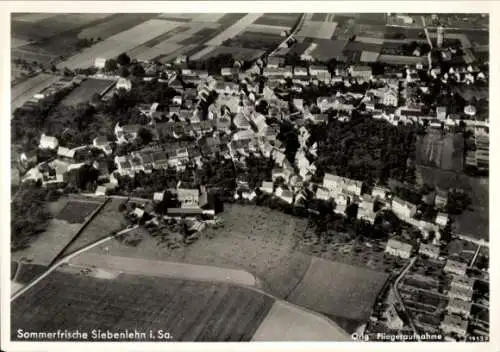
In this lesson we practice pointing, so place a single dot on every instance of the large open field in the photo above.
(254, 239)
(188, 310)
(118, 43)
(339, 291)
(317, 29)
(25, 90)
(445, 152)
(278, 19)
(85, 90)
(234, 29)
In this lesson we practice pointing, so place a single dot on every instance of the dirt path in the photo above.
(165, 268)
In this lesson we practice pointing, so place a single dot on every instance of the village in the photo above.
(236, 118)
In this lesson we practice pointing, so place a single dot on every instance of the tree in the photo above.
(145, 136)
(123, 59)
(111, 65)
(138, 70)
(124, 72)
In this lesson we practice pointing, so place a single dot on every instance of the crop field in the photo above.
(445, 152)
(317, 29)
(328, 49)
(85, 90)
(285, 322)
(188, 310)
(103, 224)
(27, 272)
(278, 19)
(234, 29)
(264, 28)
(76, 211)
(122, 42)
(24, 91)
(50, 243)
(43, 26)
(115, 24)
(339, 290)
(254, 40)
(404, 33)
(253, 239)
(237, 53)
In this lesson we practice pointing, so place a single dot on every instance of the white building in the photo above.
(398, 248)
(267, 187)
(338, 184)
(454, 267)
(323, 194)
(442, 219)
(429, 250)
(403, 208)
(285, 195)
(100, 63)
(124, 83)
(48, 142)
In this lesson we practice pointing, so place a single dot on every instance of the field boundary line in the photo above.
(66, 259)
(79, 232)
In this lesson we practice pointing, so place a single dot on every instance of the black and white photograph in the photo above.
(249, 177)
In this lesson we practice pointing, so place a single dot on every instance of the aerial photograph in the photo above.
(246, 177)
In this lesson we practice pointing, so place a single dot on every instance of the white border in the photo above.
(6, 7)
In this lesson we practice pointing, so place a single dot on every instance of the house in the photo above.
(177, 100)
(189, 198)
(380, 192)
(318, 70)
(463, 282)
(281, 172)
(361, 72)
(100, 63)
(390, 97)
(454, 324)
(124, 83)
(278, 156)
(104, 189)
(285, 195)
(457, 306)
(158, 196)
(275, 62)
(460, 293)
(441, 113)
(103, 144)
(48, 142)
(300, 72)
(66, 152)
(454, 267)
(338, 184)
(227, 88)
(228, 71)
(442, 219)
(394, 321)
(429, 250)
(441, 198)
(323, 194)
(366, 209)
(267, 187)
(241, 122)
(398, 248)
(403, 208)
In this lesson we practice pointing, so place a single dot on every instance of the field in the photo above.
(118, 43)
(253, 239)
(75, 211)
(328, 49)
(27, 272)
(188, 310)
(115, 24)
(25, 90)
(237, 53)
(254, 40)
(339, 290)
(85, 90)
(234, 29)
(103, 224)
(287, 323)
(46, 247)
(316, 29)
(278, 19)
(43, 26)
(445, 152)
(473, 222)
